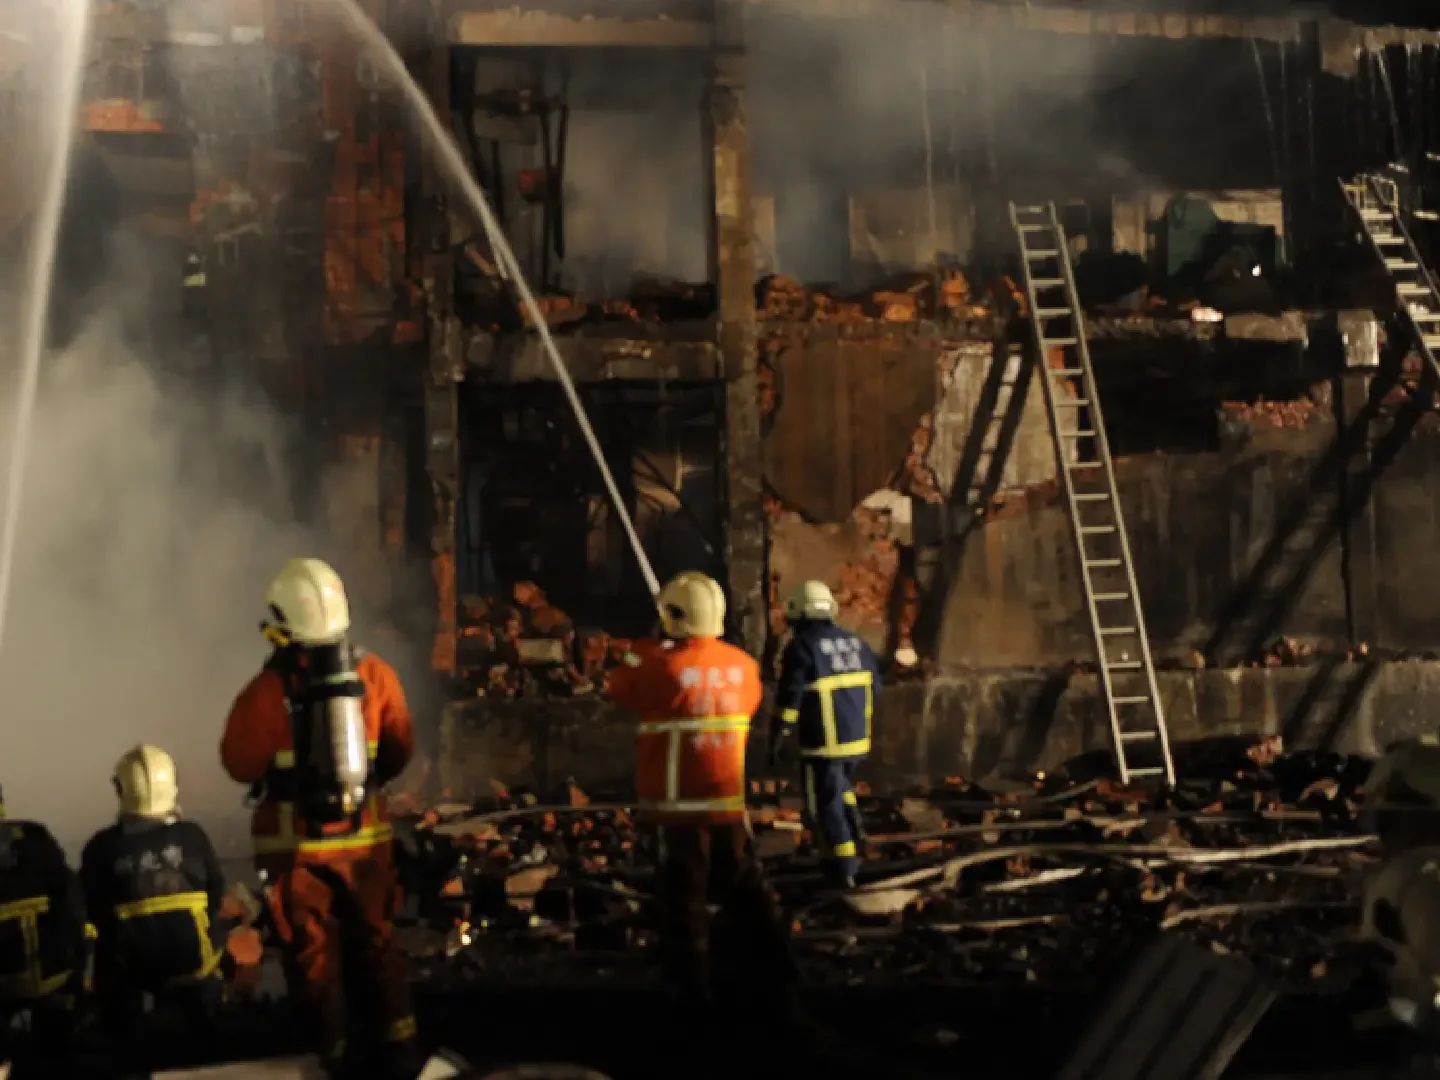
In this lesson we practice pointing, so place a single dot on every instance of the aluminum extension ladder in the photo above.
(1375, 202)
(1092, 500)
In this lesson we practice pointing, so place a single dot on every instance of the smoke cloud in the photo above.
(878, 131)
(157, 506)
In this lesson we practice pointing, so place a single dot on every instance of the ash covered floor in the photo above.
(983, 918)
(987, 926)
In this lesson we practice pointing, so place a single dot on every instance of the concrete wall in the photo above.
(849, 410)
(964, 372)
(1199, 525)
(974, 726)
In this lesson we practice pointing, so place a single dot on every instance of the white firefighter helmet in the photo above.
(307, 605)
(145, 782)
(811, 600)
(1407, 777)
(692, 605)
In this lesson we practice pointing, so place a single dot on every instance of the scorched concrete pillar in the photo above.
(444, 370)
(733, 270)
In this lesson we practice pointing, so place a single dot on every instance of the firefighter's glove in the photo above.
(778, 732)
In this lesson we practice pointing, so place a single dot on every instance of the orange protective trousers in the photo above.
(335, 916)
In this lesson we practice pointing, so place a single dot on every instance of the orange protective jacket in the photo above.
(257, 744)
(695, 699)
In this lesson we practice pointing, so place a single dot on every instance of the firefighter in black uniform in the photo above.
(829, 680)
(153, 888)
(42, 939)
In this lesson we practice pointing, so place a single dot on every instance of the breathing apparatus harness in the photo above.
(329, 777)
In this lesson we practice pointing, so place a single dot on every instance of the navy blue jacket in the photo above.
(154, 889)
(829, 680)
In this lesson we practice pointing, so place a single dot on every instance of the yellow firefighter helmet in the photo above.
(692, 605)
(145, 782)
(307, 605)
(811, 600)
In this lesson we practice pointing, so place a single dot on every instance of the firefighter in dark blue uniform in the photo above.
(829, 681)
(42, 939)
(153, 888)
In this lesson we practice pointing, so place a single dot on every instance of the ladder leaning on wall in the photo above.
(1128, 688)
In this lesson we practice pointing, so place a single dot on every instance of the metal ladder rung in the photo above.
(1390, 239)
(1118, 625)
(1432, 341)
(1425, 316)
(1133, 699)
(1412, 288)
(1401, 264)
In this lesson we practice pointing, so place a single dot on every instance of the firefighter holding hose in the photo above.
(317, 734)
(694, 696)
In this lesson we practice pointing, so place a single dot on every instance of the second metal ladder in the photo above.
(1092, 500)
(1376, 203)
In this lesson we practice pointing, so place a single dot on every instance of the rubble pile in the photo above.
(523, 646)
(1311, 408)
(1257, 854)
(914, 297)
(943, 296)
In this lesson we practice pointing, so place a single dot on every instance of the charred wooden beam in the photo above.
(733, 270)
(522, 359)
(443, 372)
(528, 27)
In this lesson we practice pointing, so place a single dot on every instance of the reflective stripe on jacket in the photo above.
(258, 744)
(34, 981)
(153, 890)
(194, 904)
(42, 916)
(829, 680)
(695, 700)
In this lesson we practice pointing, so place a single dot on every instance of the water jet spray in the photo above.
(458, 174)
(70, 75)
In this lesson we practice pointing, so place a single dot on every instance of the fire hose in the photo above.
(459, 174)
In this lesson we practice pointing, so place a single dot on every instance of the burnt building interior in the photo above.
(780, 246)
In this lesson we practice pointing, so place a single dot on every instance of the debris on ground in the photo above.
(1259, 855)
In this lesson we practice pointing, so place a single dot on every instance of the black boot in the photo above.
(403, 1060)
(838, 874)
(857, 830)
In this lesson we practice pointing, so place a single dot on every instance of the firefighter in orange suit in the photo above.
(317, 734)
(695, 696)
